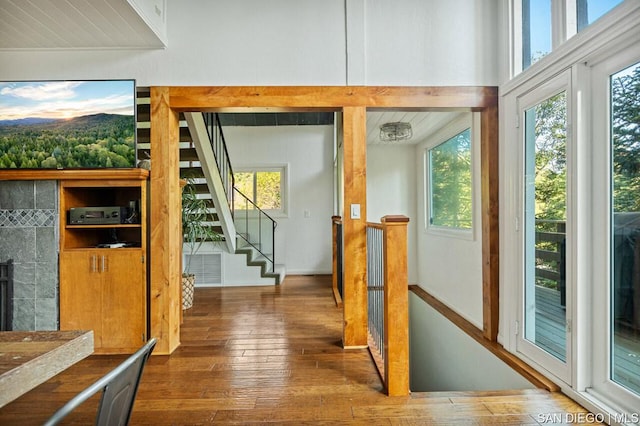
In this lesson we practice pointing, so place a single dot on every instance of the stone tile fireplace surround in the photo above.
(29, 236)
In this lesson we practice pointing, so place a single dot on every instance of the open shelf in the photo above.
(97, 194)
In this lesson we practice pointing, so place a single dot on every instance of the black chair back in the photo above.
(119, 388)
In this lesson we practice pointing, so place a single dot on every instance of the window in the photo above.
(450, 189)
(625, 228)
(541, 26)
(536, 30)
(588, 11)
(625, 232)
(616, 341)
(264, 186)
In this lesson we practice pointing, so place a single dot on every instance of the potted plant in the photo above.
(195, 231)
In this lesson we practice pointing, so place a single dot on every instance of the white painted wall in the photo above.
(303, 244)
(294, 42)
(450, 267)
(391, 188)
(427, 42)
(444, 358)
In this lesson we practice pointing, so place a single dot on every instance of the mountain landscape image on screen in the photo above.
(67, 125)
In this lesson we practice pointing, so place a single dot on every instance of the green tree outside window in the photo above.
(450, 182)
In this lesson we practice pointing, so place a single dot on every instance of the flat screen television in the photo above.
(75, 124)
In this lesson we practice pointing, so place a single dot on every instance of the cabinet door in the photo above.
(81, 293)
(124, 299)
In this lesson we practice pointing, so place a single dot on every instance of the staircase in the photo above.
(256, 231)
(198, 162)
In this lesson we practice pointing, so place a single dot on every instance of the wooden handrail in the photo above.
(395, 351)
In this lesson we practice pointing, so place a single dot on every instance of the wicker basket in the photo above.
(188, 284)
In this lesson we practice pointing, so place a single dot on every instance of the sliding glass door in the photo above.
(624, 287)
(545, 326)
(616, 283)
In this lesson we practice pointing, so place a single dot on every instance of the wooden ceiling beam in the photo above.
(328, 98)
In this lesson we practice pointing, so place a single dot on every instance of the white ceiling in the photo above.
(73, 24)
(422, 123)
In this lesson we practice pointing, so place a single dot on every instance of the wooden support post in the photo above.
(354, 294)
(490, 221)
(396, 305)
(165, 229)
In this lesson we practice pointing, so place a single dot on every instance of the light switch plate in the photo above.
(355, 211)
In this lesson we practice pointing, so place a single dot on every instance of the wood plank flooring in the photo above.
(550, 322)
(254, 355)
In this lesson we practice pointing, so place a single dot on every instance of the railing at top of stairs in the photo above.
(387, 301)
(219, 146)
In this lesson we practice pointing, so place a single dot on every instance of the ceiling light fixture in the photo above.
(398, 131)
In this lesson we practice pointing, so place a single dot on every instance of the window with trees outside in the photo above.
(263, 186)
(450, 190)
(625, 228)
(616, 239)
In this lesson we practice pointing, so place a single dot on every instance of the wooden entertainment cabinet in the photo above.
(104, 289)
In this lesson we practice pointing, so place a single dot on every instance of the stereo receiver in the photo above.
(97, 215)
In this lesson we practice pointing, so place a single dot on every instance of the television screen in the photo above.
(67, 124)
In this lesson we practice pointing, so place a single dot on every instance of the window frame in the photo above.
(284, 184)
(451, 130)
(523, 346)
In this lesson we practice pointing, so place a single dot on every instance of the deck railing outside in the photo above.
(388, 301)
(551, 255)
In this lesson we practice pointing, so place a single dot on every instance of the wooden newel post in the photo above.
(396, 305)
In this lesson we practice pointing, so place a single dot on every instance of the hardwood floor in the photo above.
(254, 355)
